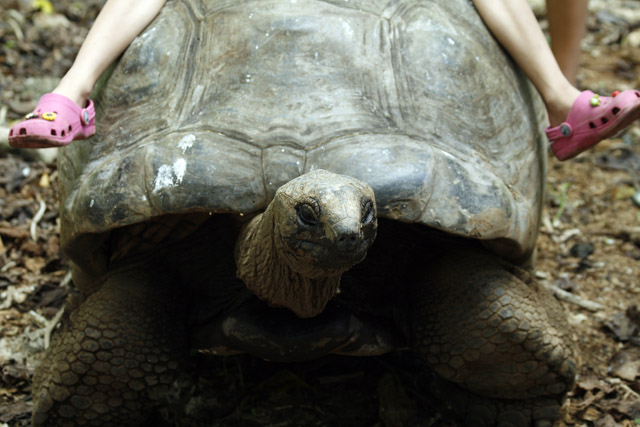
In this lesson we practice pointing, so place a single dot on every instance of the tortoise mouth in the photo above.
(324, 257)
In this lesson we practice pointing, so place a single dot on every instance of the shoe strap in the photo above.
(88, 113)
(563, 131)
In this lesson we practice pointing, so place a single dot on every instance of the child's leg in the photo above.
(66, 115)
(567, 20)
(118, 23)
(577, 120)
(515, 26)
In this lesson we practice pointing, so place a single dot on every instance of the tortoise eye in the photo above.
(307, 214)
(367, 212)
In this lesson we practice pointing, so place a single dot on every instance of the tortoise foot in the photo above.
(474, 410)
(488, 327)
(114, 359)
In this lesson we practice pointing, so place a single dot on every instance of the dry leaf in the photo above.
(606, 421)
(34, 264)
(622, 326)
(591, 414)
(31, 247)
(626, 364)
(53, 247)
(14, 232)
(45, 182)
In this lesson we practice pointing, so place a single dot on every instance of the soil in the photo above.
(588, 250)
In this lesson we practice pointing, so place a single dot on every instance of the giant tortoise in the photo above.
(248, 155)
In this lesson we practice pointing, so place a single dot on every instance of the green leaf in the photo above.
(43, 6)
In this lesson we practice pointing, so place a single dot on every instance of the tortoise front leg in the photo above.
(116, 355)
(490, 328)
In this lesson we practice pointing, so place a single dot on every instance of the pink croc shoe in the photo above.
(591, 119)
(55, 122)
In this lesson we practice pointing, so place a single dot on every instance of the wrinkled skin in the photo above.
(317, 227)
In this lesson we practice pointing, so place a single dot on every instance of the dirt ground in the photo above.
(588, 254)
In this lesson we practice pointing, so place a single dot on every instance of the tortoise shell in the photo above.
(219, 102)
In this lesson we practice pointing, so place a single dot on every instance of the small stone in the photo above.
(581, 250)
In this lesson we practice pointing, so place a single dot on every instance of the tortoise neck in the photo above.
(262, 266)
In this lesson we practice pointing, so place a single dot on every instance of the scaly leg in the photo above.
(116, 355)
(488, 327)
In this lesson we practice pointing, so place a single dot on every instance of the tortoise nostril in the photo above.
(348, 241)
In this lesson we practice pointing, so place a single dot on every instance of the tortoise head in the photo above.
(324, 222)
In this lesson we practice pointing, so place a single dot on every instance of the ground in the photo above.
(588, 254)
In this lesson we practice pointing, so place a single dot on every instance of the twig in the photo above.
(66, 280)
(34, 222)
(572, 298)
(50, 326)
(16, 29)
(546, 221)
(623, 233)
(628, 390)
(7, 266)
(38, 317)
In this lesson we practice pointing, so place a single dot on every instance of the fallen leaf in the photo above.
(626, 364)
(53, 247)
(31, 247)
(14, 232)
(44, 6)
(606, 421)
(623, 192)
(11, 411)
(621, 326)
(590, 382)
(34, 264)
(591, 414)
(45, 182)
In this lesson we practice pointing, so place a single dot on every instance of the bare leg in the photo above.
(118, 23)
(567, 27)
(515, 26)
